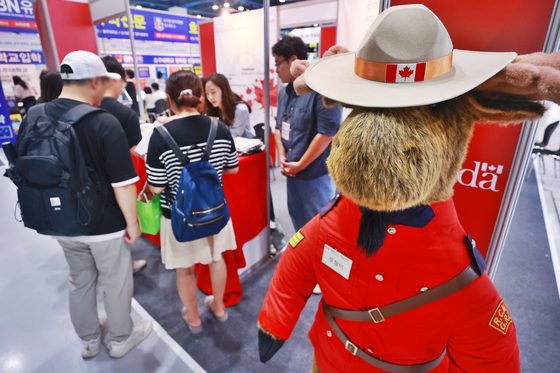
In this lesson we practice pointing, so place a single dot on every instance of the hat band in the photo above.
(402, 72)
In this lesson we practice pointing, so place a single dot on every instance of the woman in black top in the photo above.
(184, 90)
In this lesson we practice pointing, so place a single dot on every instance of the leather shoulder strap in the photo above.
(211, 138)
(172, 144)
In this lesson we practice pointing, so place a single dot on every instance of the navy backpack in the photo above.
(200, 208)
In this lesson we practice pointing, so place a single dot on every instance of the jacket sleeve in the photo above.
(292, 284)
(483, 338)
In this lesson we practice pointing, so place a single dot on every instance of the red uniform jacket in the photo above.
(473, 323)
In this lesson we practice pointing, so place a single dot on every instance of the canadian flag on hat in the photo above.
(405, 73)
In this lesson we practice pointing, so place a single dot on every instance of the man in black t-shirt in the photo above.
(103, 255)
(126, 117)
(131, 90)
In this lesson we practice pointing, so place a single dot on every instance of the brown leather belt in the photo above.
(378, 315)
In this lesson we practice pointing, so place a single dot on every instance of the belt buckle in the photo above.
(376, 315)
(351, 347)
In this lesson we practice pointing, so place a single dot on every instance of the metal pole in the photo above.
(136, 72)
(266, 6)
(51, 35)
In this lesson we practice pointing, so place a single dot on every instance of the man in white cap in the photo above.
(104, 253)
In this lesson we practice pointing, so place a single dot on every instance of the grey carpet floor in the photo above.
(525, 279)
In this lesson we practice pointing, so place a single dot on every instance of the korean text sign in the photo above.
(152, 26)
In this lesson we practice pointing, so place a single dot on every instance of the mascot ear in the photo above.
(509, 95)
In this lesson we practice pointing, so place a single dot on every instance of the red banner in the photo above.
(493, 26)
(17, 24)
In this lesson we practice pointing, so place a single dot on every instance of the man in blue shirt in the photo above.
(304, 131)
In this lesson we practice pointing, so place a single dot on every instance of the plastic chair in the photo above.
(549, 130)
(161, 106)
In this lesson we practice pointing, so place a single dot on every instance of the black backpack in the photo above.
(56, 193)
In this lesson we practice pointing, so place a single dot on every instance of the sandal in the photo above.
(208, 301)
(194, 329)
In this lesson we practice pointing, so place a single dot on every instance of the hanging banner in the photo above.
(6, 129)
(156, 60)
(17, 16)
(354, 19)
(16, 57)
(239, 45)
(152, 26)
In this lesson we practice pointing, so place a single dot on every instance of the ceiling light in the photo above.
(215, 7)
(138, 6)
(282, 1)
(198, 16)
(240, 8)
(225, 14)
(226, 5)
(316, 25)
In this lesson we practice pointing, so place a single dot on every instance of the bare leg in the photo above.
(186, 286)
(218, 276)
(314, 367)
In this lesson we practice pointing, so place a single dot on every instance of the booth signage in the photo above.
(17, 16)
(152, 26)
(144, 72)
(157, 60)
(16, 57)
(6, 129)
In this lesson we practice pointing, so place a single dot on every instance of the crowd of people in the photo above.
(110, 138)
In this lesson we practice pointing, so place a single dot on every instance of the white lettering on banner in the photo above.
(2, 119)
(6, 132)
(489, 172)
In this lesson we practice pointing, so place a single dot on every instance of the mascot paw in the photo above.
(335, 49)
(269, 344)
(297, 70)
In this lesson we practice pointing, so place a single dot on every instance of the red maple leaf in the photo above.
(249, 90)
(241, 95)
(259, 92)
(250, 102)
(406, 72)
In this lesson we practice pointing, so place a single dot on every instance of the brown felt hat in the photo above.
(405, 59)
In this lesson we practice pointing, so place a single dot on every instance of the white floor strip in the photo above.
(183, 355)
(552, 224)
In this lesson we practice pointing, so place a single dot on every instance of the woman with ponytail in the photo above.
(189, 128)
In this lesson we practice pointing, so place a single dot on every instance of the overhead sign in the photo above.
(16, 57)
(157, 60)
(17, 16)
(153, 26)
(6, 129)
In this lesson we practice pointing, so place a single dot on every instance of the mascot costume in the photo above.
(404, 287)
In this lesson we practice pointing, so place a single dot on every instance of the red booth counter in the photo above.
(246, 196)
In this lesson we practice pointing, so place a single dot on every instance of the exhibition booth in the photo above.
(237, 47)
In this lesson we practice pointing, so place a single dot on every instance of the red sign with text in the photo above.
(493, 26)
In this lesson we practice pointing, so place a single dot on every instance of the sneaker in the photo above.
(140, 331)
(91, 348)
(138, 265)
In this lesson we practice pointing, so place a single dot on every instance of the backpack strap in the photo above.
(34, 113)
(173, 145)
(77, 113)
(211, 138)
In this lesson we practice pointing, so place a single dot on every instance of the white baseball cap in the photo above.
(84, 65)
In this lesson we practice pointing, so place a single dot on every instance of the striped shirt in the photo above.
(190, 133)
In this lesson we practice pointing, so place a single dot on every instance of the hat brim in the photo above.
(334, 78)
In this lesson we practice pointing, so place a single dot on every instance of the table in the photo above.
(246, 196)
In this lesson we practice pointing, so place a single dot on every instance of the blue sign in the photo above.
(152, 26)
(156, 60)
(15, 57)
(162, 70)
(17, 16)
(6, 129)
(144, 72)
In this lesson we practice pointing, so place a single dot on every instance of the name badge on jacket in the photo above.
(286, 130)
(336, 261)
